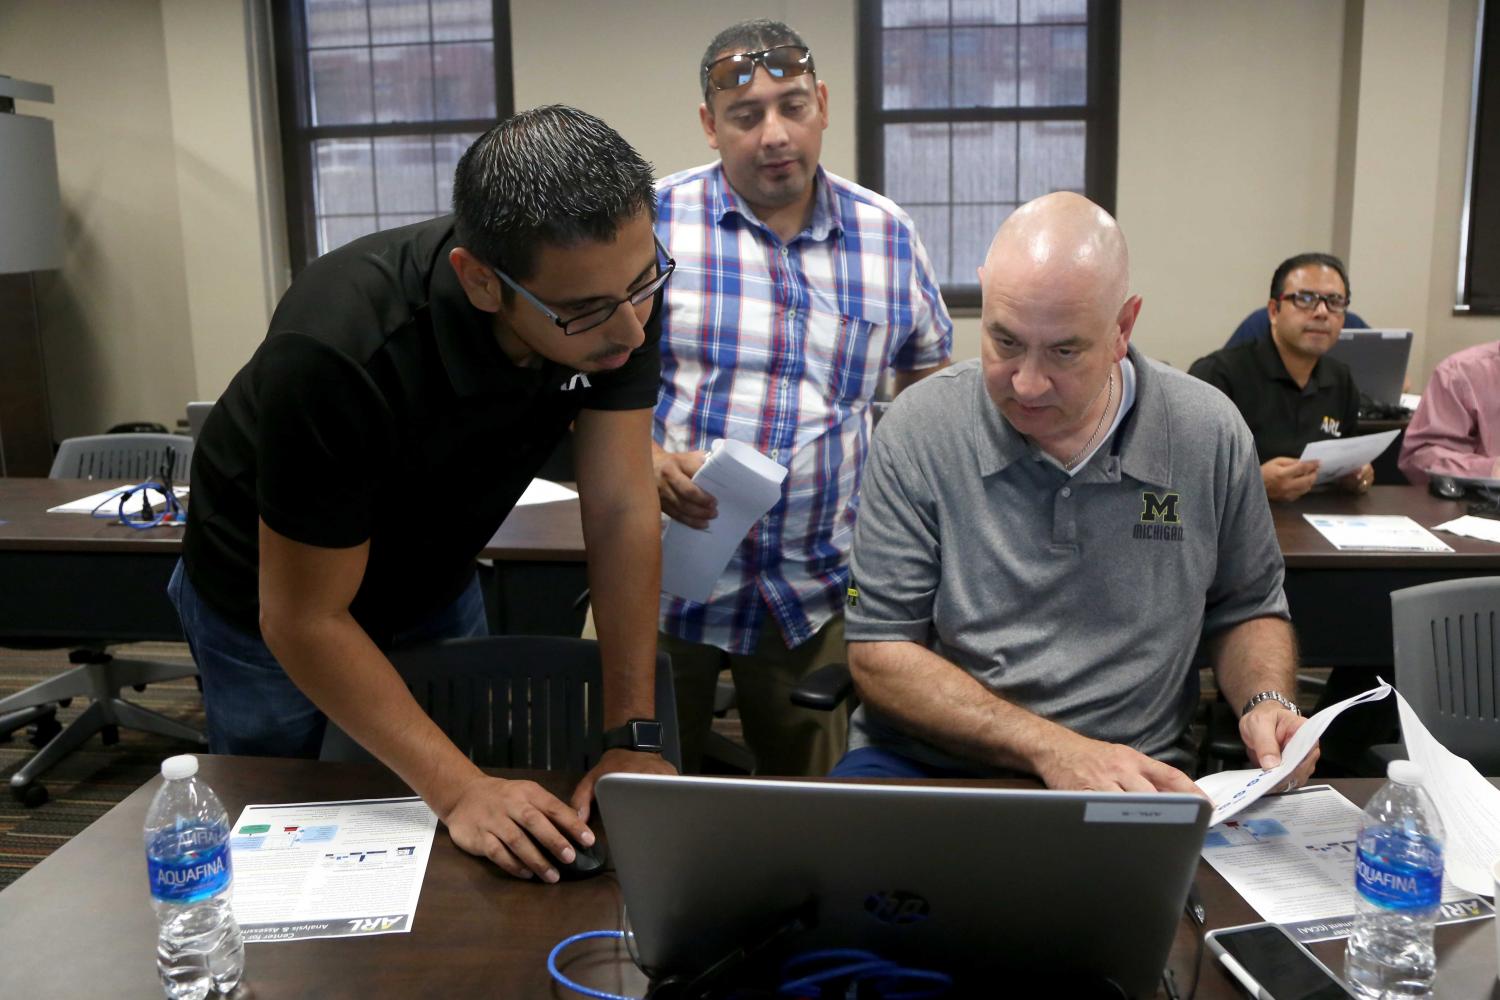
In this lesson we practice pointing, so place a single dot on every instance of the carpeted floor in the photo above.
(87, 783)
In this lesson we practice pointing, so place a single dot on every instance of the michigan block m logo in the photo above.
(1159, 509)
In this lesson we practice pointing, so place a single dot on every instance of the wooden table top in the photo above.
(538, 533)
(83, 922)
(1305, 548)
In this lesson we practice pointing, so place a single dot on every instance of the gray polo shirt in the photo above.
(1079, 598)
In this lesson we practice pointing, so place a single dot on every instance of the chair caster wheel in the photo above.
(65, 702)
(44, 730)
(138, 687)
(110, 735)
(31, 795)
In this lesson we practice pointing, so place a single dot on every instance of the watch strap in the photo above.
(641, 735)
(1275, 696)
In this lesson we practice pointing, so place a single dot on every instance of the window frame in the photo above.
(1100, 114)
(298, 134)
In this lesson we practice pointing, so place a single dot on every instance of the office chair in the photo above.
(522, 701)
(1258, 324)
(1447, 655)
(134, 457)
(96, 673)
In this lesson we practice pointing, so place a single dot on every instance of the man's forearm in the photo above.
(941, 704)
(1254, 656)
(902, 380)
(624, 549)
(346, 675)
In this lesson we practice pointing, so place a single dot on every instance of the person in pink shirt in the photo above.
(1456, 429)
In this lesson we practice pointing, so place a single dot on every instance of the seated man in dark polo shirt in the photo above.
(1284, 387)
(1046, 534)
(410, 385)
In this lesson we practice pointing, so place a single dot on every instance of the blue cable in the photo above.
(567, 983)
(171, 508)
(892, 980)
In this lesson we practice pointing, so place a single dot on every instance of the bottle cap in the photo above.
(1405, 772)
(182, 766)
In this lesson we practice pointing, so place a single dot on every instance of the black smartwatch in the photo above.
(642, 735)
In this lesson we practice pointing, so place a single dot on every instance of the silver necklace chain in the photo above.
(1109, 388)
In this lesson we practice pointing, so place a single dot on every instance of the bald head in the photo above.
(1063, 244)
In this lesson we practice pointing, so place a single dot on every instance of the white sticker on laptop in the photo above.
(1139, 812)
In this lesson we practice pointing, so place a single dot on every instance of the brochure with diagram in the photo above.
(330, 869)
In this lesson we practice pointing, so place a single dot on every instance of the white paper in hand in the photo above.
(746, 485)
(1232, 791)
(1341, 456)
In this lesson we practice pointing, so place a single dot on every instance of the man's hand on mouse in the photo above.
(616, 760)
(1078, 763)
(490, 814)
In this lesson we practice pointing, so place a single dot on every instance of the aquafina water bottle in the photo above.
(199, 948)
(1398, 880)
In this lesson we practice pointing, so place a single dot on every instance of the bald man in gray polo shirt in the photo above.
(1045, 534)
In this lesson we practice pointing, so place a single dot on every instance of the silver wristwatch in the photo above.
(1275, 696)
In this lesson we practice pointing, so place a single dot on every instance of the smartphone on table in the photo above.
(1272, 965)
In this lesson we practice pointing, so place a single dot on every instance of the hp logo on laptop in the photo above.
(897, 907)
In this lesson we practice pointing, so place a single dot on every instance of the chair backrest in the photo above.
(1447, 656)
(133, 457)
(523, 701)
(1258, 324)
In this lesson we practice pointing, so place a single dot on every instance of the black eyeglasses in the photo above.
(1308, 301)
(782, 63)
(585, 322)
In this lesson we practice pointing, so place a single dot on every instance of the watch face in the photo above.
(647, 735)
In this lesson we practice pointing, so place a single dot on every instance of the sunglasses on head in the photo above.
(782, 63)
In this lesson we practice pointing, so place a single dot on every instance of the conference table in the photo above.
(77, 578)
(79, 924)
(1340, 601)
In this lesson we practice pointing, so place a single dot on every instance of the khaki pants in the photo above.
(785, 739)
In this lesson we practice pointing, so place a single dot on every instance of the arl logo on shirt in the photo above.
(1160, 519)
(1331, 427)
(578, 379)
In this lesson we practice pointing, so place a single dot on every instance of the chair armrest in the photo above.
(825, 688)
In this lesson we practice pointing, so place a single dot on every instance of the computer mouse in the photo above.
(1445, 488)
(587, 861)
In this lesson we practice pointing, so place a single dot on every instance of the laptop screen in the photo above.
(1377, 360)
(971, 881)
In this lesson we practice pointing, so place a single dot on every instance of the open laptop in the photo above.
(1377, 360)
(196, 414)
(976, 882)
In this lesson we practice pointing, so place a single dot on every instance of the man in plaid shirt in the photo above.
(795, 291)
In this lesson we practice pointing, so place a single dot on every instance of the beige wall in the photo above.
(115, 316)
(1240, 142)
(640, 73)
(1227, 161)
(227, 258)
(1444, 331)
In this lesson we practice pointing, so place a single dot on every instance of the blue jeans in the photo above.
(252, 706)
(874, 762)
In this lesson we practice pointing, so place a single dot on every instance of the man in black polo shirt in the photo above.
(411, 384)
(1284, 387)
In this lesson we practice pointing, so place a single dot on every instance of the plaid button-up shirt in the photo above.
(782, 346)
